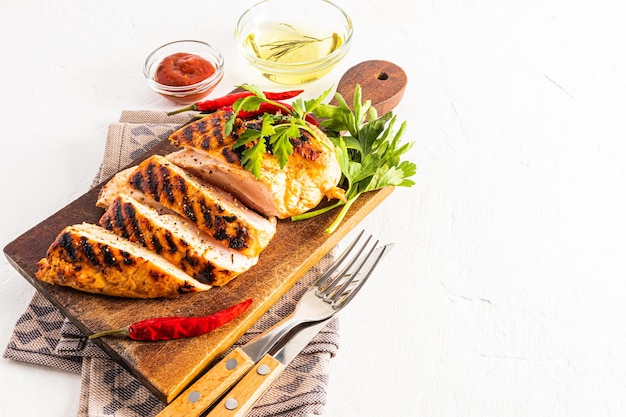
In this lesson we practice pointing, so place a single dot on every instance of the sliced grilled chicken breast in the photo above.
(177, 240)
(92, 259)
(312, 171)
(213, 210)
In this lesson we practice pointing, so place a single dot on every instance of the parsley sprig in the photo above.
(368, 149)
(277, 130)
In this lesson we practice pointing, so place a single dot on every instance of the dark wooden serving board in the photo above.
(167, 368)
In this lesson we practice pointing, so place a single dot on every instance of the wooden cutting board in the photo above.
(167, 368)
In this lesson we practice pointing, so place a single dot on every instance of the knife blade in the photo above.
(242, 397)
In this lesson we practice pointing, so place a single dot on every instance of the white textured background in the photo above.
(505, 293)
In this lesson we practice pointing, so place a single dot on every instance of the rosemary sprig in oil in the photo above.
(285, 47)
(278, 49)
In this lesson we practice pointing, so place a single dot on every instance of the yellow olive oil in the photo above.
(286, 44)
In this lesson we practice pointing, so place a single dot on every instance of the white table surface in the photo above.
(505, 293)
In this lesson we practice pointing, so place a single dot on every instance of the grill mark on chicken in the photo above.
(179, 191)
(124, 221)
(77, 248)
(90, 258)
(238, 241)
(230, 155)
(208, 133)
(87, 250)
(213, 137)
(156, 245)
(128, 258)
(189, 211)
(169, 239)
(207, 213)
(207, 274)
(304, 147)
(175, 239)
(152, 182)
(65, 242)
(188, 133)
(202, 126)
(109, 258)
(205, 143)
(128, 212)
(191, 260)
(168, 189)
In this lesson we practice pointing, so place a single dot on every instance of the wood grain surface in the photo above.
(166, 368)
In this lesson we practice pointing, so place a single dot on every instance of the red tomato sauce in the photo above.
(182, 69)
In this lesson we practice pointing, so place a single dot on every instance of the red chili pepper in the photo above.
(177, 327)
(270, 108)
(230, 99)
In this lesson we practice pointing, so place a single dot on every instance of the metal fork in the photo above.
(330, 293)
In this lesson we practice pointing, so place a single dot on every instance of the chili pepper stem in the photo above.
(188, 108)
(124, 331)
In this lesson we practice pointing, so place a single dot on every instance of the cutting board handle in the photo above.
(382, 82)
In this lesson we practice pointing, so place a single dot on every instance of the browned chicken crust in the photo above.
(214, 211)
(209, 132)
(176, 239)
(89, 258)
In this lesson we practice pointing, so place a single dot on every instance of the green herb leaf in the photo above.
(252, 157)
(280, 142)
(267, 127)
(254, 90)
(368, 150)
(248, 136)
(309, 106)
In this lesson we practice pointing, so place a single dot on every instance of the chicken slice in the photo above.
(92, 259)
(176, 239)
(119, 184)
(213, 210)
(217, 170)
(312, 172)
(208, 133)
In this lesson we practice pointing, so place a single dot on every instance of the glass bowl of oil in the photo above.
(294, 42)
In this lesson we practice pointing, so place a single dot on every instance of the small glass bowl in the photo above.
(190, 93)
(294, 42)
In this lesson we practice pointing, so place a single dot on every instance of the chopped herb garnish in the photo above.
(277, 129)
(368, 147)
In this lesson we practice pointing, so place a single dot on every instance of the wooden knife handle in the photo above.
(210, 387)
(245, 394)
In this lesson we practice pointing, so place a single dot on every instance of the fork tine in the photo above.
(360, 284)
(328, 288)
(339, 261)
(352, 274)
